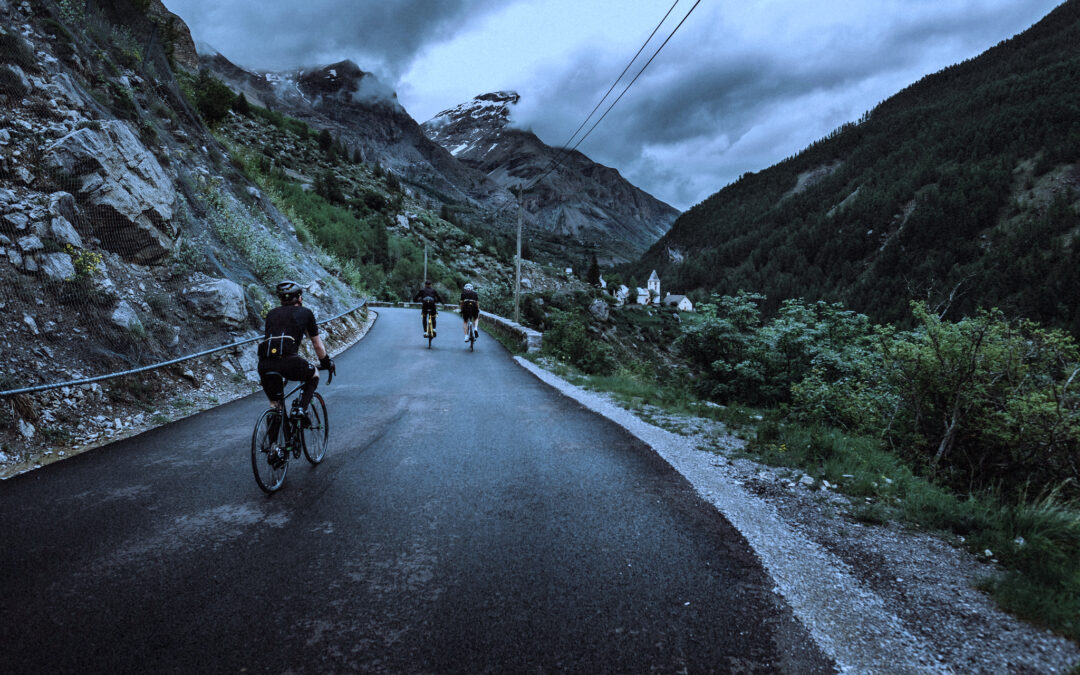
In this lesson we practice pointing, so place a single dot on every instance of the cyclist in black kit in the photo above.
(428, 297)
(470, 309)
(285, 329)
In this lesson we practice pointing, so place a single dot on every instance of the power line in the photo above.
(626, 89)
(556, 161)
(620, 77)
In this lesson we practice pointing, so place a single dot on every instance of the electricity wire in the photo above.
(616, 82)
(554, 163)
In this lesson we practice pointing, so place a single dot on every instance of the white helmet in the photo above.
(468, 287)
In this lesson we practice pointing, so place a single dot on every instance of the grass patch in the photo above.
(1036, 540)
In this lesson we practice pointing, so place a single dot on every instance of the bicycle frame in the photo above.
(311, 437)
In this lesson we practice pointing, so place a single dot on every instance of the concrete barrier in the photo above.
(529, 339)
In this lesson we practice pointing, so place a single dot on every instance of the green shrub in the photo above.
(984, 401)
(568, 339)
(241, 105)
(211, 97)
(72, 12)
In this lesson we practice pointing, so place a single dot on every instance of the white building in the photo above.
(654, 286)
(679, 302)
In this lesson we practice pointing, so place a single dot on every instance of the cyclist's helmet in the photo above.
(289, 290)
(468, 287)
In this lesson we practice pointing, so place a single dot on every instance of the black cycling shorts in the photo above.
(294, 368)
(469, 311)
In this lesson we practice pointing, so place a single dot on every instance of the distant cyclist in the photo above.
(285, 329)
(470, 311)
(429, 299)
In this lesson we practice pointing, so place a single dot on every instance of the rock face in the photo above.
(364, 114)
(579, 198)
(125, 194)
(219, 299)
(183, 46)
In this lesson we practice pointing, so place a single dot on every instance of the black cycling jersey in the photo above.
(285, 329)
(470, 305)
(428, 297)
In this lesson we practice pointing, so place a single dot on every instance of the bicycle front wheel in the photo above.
(316, 435)
(269, 460)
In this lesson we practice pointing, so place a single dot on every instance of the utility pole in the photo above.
(425, 260)
(517, 266)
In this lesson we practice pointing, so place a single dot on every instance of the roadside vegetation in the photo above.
(966, 179)
(970, 428)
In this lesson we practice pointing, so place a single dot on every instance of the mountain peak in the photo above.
(490, 112)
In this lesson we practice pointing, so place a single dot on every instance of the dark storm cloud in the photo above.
(721, 107)
(279, 35)
(740, 87)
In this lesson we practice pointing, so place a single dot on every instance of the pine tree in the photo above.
(593, 275)
(241, 105)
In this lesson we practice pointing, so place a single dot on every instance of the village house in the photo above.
(679, 302)
(650, 295)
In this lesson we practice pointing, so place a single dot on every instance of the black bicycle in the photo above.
(471, 328)
(279, 437)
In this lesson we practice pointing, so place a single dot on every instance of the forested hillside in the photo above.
(960, 190)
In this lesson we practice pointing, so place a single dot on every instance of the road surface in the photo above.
(466, 519)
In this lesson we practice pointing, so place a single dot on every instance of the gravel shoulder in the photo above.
(875, 598)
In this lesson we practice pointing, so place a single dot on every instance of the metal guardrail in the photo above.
(163, 364)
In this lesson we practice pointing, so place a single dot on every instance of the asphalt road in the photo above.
(466, 519)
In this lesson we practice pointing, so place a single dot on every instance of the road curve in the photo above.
(467, 518)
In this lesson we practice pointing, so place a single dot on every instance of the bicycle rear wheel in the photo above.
(472, 334)
(430, 332)
(315, 436)
(269, 460)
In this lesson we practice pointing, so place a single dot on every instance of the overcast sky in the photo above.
(740, 86)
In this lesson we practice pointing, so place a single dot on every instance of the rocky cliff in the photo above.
(363, 113)
(127, 236)
(574, 196)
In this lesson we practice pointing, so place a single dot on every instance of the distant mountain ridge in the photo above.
(363, 113)
(578, 198)
(963, 189)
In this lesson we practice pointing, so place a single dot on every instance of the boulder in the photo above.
(123, 189)
(104, 285)
(249, 363)
(14, 222)
(30, 243)
(57, 266)
(219, 299)
(599, 309)
(125, 316)
(63, 231)
(62, 205)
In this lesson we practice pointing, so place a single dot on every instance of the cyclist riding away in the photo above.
(286, 327)
(428, 297)
(470, 311)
